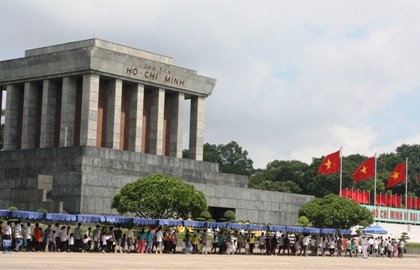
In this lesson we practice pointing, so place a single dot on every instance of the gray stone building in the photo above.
(85, 118)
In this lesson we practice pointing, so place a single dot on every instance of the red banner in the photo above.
(409, 205)
(388, 200)
(383, 199)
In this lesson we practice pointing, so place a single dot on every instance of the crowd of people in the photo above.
(110, 239)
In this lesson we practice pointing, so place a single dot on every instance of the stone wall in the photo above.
(85, 179)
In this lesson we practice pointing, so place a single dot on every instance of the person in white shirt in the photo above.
(18, 235)
(365, 244)
(28, 236)
(305, 243)
(376, 247)
(159, 236)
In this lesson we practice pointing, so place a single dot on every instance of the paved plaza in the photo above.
(40, 260)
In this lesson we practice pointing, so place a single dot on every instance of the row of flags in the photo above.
(332, 164)
(389, 200)
(382, 199)
(359, 196)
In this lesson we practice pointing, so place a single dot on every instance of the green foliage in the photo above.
(404, 237)
(12, 208)
(298, 177)
(333, 211)
(229, 215)
(42, 210)
(364, 223)
(160, 196)
(205, 214)
(231, 158)
(304, 222)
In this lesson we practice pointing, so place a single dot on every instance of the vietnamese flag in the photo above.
(366, 170)
(330, 164)
(397, 176)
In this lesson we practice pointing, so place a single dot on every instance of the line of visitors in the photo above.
(106, 239)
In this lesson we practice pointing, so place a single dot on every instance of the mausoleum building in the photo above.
(85, 118)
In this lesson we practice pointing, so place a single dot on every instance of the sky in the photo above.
(295, 79)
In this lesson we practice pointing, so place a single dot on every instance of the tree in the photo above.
(230, 157)
(160, 196)
(333, 211)
(304, 222)
(204, 216)
(234, 160)
(228, 216)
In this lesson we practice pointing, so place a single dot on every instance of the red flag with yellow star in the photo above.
(330, 164)
(366, 170)
(397, 176)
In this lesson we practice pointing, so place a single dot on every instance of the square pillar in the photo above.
(68, 111)
(197, 128)
(89, 117)
(135, 118)
(157, 107)
(113, 117)
(176, 125)
(13, 118)
(49, 99)
(30, 113)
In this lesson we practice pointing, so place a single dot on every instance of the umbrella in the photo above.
(375, 230)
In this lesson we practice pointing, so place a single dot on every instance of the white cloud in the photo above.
(296, 79)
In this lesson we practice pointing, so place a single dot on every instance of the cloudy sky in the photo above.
(295, 79)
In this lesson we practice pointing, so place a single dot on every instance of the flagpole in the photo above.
(406, 182)
(374, 190)
(341, 168)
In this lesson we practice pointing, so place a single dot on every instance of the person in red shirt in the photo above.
(37, 239)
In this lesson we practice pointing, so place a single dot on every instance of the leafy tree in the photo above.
(230, 157)
(333, 211)
(364, 223)
(204, 216)
(229, 215)
(160, 196)
(282, 176)
(304, 222)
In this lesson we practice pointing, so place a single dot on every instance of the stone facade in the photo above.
(84, 180)
(85, 118)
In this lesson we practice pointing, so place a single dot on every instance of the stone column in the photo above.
(68, 111)
(49, 98)
(176, 125)
(157, 107)
(30, 110)
(89, 119)
(196, 128)
(135, 118)
(11, 124)
(113, 118)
